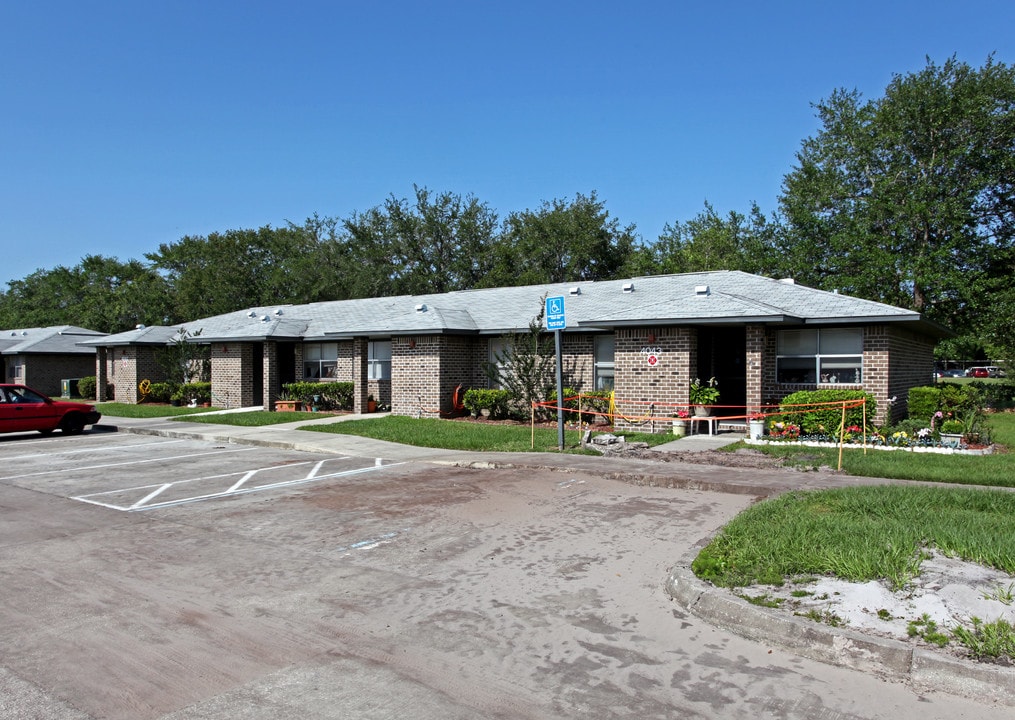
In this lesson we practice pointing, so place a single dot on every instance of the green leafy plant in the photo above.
(988, 640)
(927, 630)
(86, 387)
(495, 401)
(704, 393)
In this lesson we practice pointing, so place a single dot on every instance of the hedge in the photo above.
(825, 419)
(86, 386)
(332, 395)
(496, 401)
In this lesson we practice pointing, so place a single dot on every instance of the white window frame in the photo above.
(603, 354)
(818, 367)
(320, 361)
(379, 360)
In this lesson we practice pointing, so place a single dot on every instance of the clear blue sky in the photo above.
(124, 125)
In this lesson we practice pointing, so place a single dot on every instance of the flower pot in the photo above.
(288, 406)
(702, 410)
(757, 429)
(951, 439)
(680, 428)
(371, 406)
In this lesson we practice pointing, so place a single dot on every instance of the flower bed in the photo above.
(874, 444)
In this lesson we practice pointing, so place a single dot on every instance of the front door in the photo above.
(722, 352)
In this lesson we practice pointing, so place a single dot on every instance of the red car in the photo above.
(23, 409)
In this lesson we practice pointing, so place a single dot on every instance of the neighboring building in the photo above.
(645, 337)
(43, 357)
(123, 360)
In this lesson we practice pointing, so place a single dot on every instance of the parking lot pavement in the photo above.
(403, 589)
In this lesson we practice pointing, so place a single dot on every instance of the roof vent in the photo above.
(421, 308)
(24, 333)
(251, 314)
(788, 281)
(574, 291)
(265, 318)
(139, 326)
(701, 290)
(628, 287)
(278, 311)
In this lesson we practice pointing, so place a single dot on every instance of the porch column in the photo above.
(361, 389)
(100, 374)
(271, 385)
(755, 342)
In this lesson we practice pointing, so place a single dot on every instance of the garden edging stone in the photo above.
(922, 669)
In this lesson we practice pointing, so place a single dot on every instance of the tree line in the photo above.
(907, 199)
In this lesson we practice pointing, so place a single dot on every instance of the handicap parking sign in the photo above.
(555, 319)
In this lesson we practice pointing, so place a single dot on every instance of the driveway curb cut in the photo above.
(922, 669)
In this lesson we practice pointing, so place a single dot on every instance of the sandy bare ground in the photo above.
(422, 591)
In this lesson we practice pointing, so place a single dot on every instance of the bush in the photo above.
(923, 402)
(160, 392)
(999, 396)
(331, 395)
(824, 419)
(596, 400)
(950, 399)
(199, 391)
(496, 401)
(86, 387)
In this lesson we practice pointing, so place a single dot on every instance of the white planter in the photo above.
(757, 429)
(702, 410)
(680, 428)
(951, 439)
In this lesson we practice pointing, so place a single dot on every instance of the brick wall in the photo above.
(426, 369)
(232, 375)
(645, 389)
(754, 364)
(44, 371)
(911, 364)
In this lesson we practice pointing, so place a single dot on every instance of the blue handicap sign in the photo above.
(555, 319)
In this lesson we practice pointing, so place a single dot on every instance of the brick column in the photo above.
(272, 386)
(360, 350)
(752, 363)
(100, 374)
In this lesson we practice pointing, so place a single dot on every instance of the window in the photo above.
(604, 362)
(320, 360)
(498, 360)
(820, 357)
(379, 360)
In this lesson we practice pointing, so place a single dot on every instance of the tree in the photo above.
(562, 242)
(908, 199)
(526, 364)
(712, 242)
(438, 243)
(99, 293)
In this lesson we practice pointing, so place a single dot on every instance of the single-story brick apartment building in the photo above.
(42, 357)
(645, 337)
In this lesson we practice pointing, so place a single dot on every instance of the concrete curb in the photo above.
(923, 669)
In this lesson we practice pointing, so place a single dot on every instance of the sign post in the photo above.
(557, 321)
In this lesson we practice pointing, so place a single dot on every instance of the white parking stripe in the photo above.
(236, 489)
(104, 448)
(131, 462)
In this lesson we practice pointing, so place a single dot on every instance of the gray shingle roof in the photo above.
(58, 339)
(731, 297)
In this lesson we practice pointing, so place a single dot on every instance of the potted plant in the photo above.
(680, 423)
(951, 433)
(756, 426)
(702, 395)
(371, 404)
(287, 403)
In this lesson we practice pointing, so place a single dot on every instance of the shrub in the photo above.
(199, 391)
(999, 396)
(953, 427)
(824, 419)
(596, 400)
(86, 387)
(160, 392)
(923, 402)
(332, 395)
(496, 401)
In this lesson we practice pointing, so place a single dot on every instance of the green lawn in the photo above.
(115, 409)
(460, 435)
(994, 470)
(254, 418)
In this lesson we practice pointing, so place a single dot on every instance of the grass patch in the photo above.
(115, 409)
(860, 534)
(987, 640)
(458, 435)
(997, 470)
(256, 418)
